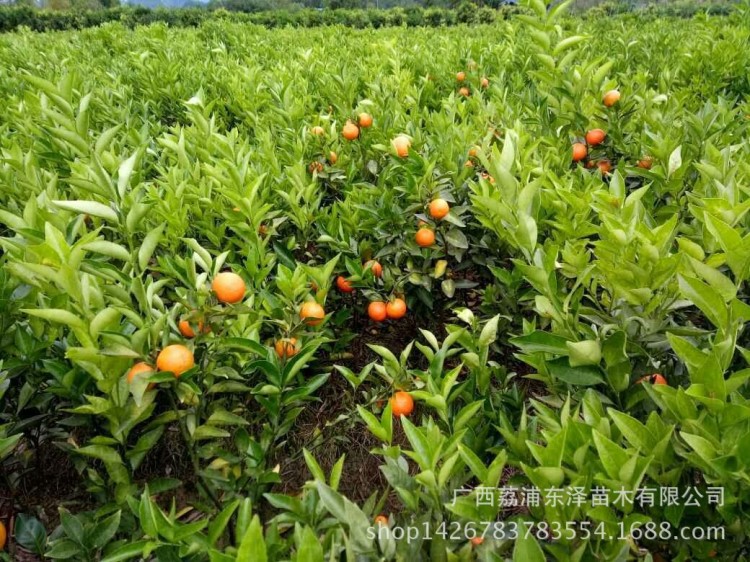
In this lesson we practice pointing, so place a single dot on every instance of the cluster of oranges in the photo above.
(438, 210)
(177, 359)
(351, 131)
(595, 137)
(464, 90)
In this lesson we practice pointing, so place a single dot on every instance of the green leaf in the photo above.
(219, 523)
(419, 442)
(149, 245)
(633, 430)
(489, 332)
(586, 375)
(127, 551)
(675, 161)
(30, 533)
(310, 548)
(71, 525)
(88, 208)
(587, 352)
(253, 545)
(314, 467)
(527, 549)
(457, 238)
(108, 249)
(101, 533)
(63, 549)
(57, 315)
(705, 298)
(124, 172)
(611, 455)
(147, 516)
(540, 341)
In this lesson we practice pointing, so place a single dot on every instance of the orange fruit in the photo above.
(350, 131)
(262, 230)
(611, 98)
(469, 164)
(476, 541)
(656, 378)
(464, 92)
(229, 287)
(381, 520)
(187, 330)
(365, 120)
(488, 177)
(376, 268)
(315, 167)
(595, 136)
(460, 76)
(376, 310)
(425, 237)
(439, 208)
(3, 535)
(312, 313)
(344, 285)
(579, 151)
(605, 166)
(646, 162)
(395, 309)
(318, 131)
(333, 157)
(139, 369)
(401, 144)
(286, 348)
(473, 151)
(485, 82)
(176, 359)
(402, 404)
(590, 164)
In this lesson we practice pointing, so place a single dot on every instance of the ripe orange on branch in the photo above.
(176, 359)
(646, 162)
(375, 267)
(187, 330)
(142, 369)
(656, 378)
(425, 237)
(312, 313)
(595, 137)
(579, 151)
(228, 287)
(402, 404)
(439, 208)
(350, 131)
(377, 311)
(286, 348)
(396, 309)
(343, 285)
(365, 120)
(611, 98)
(401, 144)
